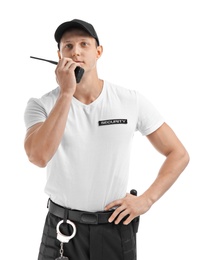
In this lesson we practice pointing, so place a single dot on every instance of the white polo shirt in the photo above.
(91, 165)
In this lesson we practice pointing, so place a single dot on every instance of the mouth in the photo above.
(78, 61)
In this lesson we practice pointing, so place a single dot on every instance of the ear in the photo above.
(59, 55)
(99, 51)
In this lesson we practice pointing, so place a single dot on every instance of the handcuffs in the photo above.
(63, 238)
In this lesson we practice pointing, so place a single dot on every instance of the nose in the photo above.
(75, 51)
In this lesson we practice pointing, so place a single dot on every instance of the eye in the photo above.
(84, 44)
(69, 46)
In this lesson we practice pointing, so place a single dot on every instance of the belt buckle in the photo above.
(89, 218)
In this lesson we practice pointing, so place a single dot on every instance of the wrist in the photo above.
(149, 199)
(66, 95)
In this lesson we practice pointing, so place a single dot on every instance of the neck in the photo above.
(89, 90)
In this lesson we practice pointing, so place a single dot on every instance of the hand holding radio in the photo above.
(78, 70)
(65, 76)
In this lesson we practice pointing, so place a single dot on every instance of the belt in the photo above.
(83, 217)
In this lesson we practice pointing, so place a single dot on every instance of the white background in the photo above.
(151, 46)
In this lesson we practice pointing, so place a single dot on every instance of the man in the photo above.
(82, 132)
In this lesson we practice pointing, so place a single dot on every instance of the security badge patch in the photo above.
(112, 122)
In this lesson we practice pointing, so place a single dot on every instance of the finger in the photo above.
(121, 216)
(62, 62)
(128, 220)
(65, 63)
(113, 204)
(115, 214)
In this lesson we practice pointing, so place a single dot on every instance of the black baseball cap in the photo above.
(75, 23)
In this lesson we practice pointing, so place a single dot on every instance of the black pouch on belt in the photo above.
(135, 222)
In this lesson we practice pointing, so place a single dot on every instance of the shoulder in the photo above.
(46, 99)
(52, 95)
(121, 91)
(126, 93)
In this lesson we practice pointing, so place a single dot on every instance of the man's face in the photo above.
(80, 47)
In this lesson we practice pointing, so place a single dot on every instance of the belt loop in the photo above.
(48, 203)
(66, 214)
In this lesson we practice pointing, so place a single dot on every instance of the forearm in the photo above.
(171, 169)
(42, 143)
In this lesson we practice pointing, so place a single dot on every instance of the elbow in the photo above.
(185, 158)
(40, 162)
(37, 158)
(35, 152)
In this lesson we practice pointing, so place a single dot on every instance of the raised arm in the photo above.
(43, 139)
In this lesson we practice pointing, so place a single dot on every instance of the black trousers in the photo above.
(91, 242)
